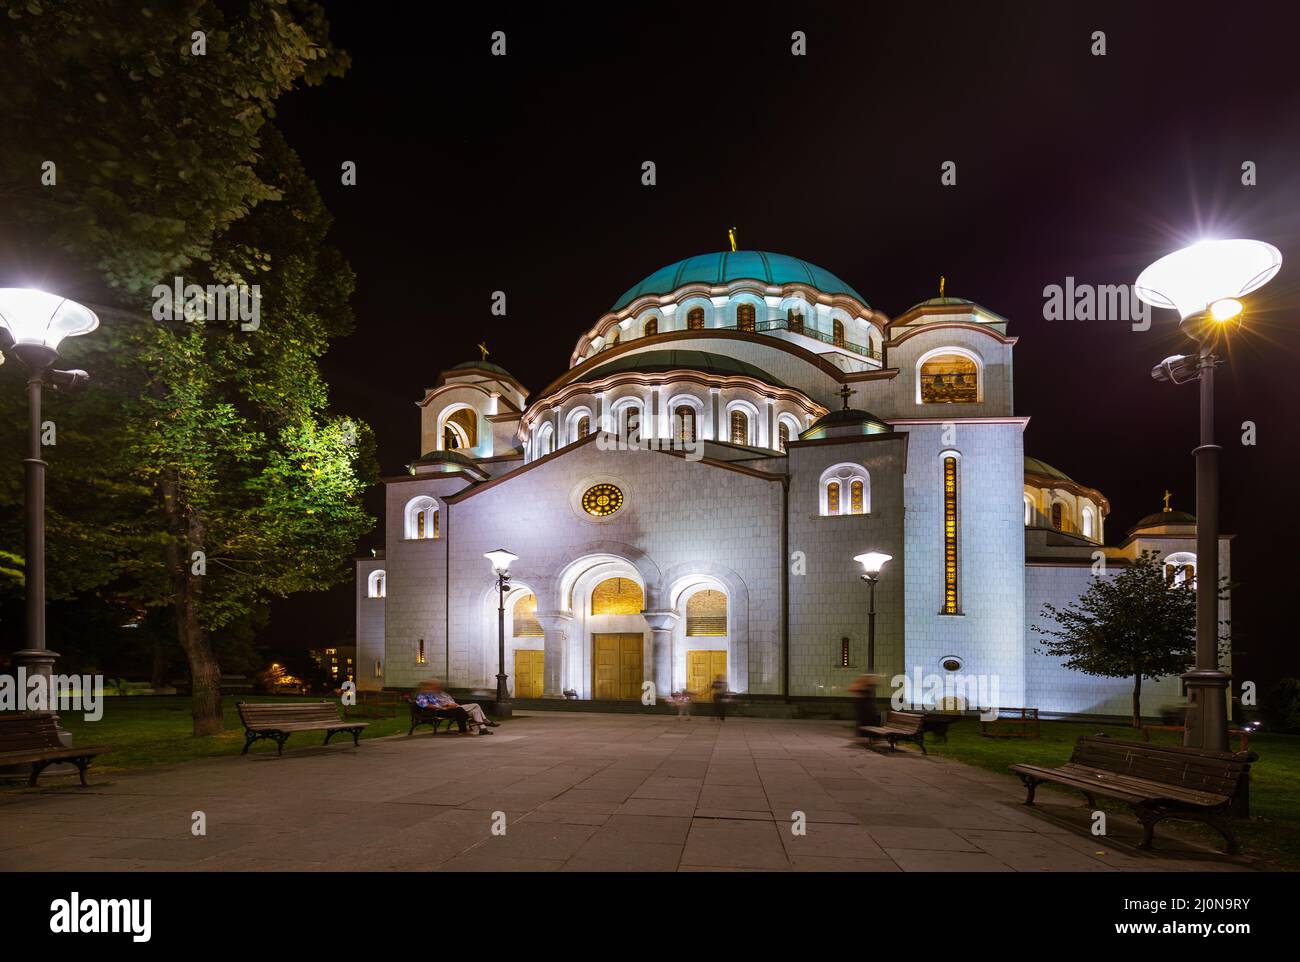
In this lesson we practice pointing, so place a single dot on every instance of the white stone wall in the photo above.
(988, 634)
(370, 625)
(830, 601)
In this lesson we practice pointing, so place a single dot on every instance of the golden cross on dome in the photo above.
(731, 236)
(941, 285)
(482, 346)
(1168, 495)
(846, 392)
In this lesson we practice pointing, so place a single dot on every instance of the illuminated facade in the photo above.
(687, 498)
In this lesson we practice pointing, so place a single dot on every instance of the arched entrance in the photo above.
(609, 656)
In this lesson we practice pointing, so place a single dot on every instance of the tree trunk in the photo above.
(187, 592)
(158, 675)
(1137, 699)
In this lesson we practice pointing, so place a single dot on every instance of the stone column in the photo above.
(555, 624)
(661, 627)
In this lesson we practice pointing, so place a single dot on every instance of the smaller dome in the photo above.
(1044, 470)
(843, 422)
(446, 457)
(482, 366)
(1165, 517)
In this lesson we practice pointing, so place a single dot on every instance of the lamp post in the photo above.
(1202, 282)
(501, 560)
(872, 562)
(32, 324)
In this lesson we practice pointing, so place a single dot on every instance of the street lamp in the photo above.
(32, 324)
(501, 560)
(872, 562)
(1203, 283)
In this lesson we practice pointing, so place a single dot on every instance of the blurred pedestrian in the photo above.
(720, 697)
(864, 691)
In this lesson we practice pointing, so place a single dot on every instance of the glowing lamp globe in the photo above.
(501, 559)
(872, 562)
(1208, 272)
(37, 319)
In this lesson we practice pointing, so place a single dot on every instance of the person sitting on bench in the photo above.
(431, 695)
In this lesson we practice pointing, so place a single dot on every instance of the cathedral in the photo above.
(686, 501)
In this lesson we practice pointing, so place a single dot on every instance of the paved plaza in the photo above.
(579, 792)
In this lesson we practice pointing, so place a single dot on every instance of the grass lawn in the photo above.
(1272, 833)
(155, 730)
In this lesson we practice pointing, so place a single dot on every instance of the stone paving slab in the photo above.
(577, 792)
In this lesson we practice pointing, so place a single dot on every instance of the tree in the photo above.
(1131, 624)
(203, 471)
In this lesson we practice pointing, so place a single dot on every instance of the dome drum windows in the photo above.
(695, 319)
(651, 327)
(745, 317)
(845, 489)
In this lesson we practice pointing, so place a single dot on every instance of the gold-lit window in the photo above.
(460, 430)
(855, 497)
(651, 327)
(602, 500)
(837, 332)
(833, 498)
(949, 379)
(706, 614)
(685, 417)
(617, 596)
(950, 536)
(419, 653)
(695, 319)
(783, 435)
(525, 618)
(379, 668)
(739, 427)
(1058, 516)
(745, 317)
(795, 322)
(845, 661)
(631, 423)
(584, 427)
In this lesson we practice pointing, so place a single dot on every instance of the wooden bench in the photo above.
(433, 716)
(33, 737)
(279, 720)
(899, 726)
(1157, 781)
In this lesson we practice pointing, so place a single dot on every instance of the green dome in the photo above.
(657, 362)
(482, 366)
(1165, 517)
(728, 266)
(863, 421)
(446, 457)
(1044, 470)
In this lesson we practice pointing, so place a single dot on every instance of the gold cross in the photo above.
(483, 347)
(941, 285)
(846, 392)
(1168, 495)
(731, 236)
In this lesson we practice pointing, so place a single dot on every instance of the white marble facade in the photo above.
(712, 404)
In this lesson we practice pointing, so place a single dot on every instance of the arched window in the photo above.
(545, 440)
(651, 327)
(949, 378)
(950, 530)
(837, 332)
(617, 596)
(377, 584)
(583, 427)
(706, 614)
(421, 518)
(631, 430)
(1058, 516)
(739, 427)
(1180, 569)
(612, 338)
(745, 317)
(1029, 511)
(845, 489)
(524, 618)
(1087, 522)
(782, 435)
(794, 320)
(695, 319)
(684, 416)
(460, 429)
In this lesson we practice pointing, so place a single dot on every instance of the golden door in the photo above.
(528, 672)
(701, 668)
(616, 667)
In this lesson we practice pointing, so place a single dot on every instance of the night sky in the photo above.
(523, 174)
